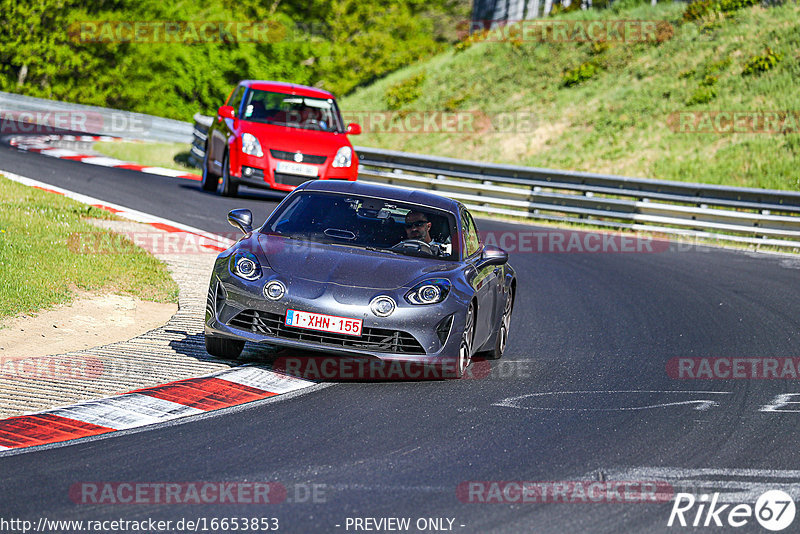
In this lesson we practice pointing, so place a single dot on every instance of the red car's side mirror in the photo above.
(353, 128)
(226, 112)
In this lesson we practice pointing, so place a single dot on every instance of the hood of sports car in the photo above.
(347, 266)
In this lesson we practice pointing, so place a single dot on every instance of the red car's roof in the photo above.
(289, 88)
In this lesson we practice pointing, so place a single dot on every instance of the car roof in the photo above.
(288, 88)
(386, 192)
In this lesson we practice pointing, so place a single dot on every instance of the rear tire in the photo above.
(209, 181)
(227, 188)
(229, 349)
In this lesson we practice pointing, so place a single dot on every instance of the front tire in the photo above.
(228, 349)
(465, 347)
(227, 188)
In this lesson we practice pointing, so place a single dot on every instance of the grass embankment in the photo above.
(606, 107)
(41, 266)
(168, 155)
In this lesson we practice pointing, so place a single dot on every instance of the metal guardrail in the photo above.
(90, 119)
(746, 215)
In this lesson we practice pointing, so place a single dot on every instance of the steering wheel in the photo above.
(414, 244)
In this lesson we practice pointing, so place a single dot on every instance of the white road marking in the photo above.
(164, 172)
(701, 404)
(265, 380)
(780, 401)
(104, 161)
(126, 411)
(59, 152)
(716, 480)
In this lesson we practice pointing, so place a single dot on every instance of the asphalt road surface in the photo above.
(582, 394)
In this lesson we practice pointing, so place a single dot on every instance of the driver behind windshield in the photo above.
(419, 227)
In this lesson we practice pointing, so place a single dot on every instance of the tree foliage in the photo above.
(334, 44)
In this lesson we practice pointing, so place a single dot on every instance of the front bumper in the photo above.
(263, 172)
(237, 309)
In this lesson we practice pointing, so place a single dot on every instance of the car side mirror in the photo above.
(492, 255)
(241, 219)
(353, 128)
(226, 112)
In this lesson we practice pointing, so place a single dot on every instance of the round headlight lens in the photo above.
(245, 265)
(274, 290)
(382, 306)
(429, 294)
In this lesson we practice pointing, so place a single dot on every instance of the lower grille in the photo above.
(373, 339)
(291, 179)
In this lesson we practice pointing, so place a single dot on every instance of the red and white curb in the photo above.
(151, 405)
(41, 145)
(146, 406)
(204, 239)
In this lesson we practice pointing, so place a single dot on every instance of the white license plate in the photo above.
(301, 169)
(324, 323)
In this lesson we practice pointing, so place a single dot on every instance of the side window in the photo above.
(471, 241)
(236, 99)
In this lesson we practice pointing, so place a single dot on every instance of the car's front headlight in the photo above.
(344, 157)
(429, 292)
(251, 146)
(245, 265)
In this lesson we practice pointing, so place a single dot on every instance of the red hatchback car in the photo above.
(277, 135)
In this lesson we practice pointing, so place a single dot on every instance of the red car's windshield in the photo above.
(294, 111)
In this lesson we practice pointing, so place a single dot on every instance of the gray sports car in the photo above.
(364, 270)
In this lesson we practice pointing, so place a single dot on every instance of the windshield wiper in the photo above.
(376, 249)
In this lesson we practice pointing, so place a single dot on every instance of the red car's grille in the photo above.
(307, 158)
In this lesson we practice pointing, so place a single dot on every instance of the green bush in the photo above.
(702, 95)
(698, 10)
(728, 6)
(709, 80)
(405, 92)
(718, 66)
(599, 47)
(761, 62)
(581, 73)
(454, 102)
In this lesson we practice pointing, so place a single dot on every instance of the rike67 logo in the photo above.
(774, 510)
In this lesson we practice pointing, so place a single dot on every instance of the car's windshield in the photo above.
(367, 222)
(293, 111)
